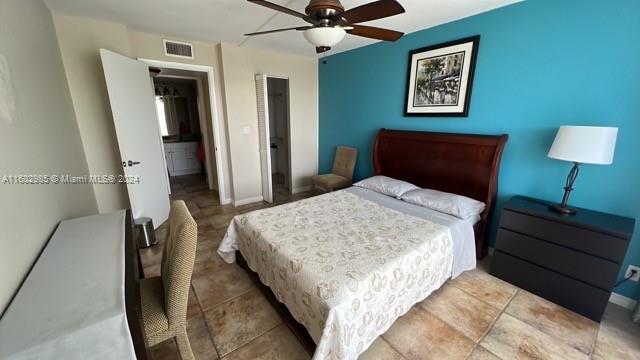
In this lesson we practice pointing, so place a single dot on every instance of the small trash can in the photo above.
(146, 236)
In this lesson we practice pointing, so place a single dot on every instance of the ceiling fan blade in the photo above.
(280, 8)
(321, 49)
(375, 33)
(299, 28)
(372, 11)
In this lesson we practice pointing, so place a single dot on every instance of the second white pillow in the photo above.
(452, 204)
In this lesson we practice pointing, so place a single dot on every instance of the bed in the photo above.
(341, 267)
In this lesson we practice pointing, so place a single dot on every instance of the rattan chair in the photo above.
(165, 297)
(342, 173)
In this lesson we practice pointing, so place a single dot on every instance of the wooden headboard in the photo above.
(464, 164)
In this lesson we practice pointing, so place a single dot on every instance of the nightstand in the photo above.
(571, 260)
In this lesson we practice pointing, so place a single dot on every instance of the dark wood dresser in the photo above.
(571, 260)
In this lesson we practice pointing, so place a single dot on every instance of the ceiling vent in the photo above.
(178, 49)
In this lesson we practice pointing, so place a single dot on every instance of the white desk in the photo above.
(72, 304)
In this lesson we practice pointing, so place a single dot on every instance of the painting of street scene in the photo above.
(437, 80)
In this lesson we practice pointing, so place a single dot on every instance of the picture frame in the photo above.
(440, 79)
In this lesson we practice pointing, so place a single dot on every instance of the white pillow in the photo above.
(452, 204)
(386, 185)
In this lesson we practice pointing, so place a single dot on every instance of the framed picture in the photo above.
(440, 78)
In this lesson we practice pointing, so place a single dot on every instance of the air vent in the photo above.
(178, 49)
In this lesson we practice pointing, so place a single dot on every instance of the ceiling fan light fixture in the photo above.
(324, 36)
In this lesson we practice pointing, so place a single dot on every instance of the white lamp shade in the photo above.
(324, 36)
(585, 144)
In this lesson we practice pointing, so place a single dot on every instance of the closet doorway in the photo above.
(275, 139)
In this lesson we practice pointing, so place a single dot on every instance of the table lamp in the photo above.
(581, 145)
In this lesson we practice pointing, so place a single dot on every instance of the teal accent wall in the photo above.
(541, 64)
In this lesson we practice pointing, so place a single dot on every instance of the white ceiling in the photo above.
(227, 20)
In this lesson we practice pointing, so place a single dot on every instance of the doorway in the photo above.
(275, 139)
(192, 144)
(183, 129)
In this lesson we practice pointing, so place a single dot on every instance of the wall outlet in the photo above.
(636, 276)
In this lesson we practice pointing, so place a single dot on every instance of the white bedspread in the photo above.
(464, 241)
(345, 267)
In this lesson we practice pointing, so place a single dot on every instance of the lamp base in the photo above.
(564, 210)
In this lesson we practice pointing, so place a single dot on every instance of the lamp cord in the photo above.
(631, 274)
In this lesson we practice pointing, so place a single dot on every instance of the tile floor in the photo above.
(475, 316)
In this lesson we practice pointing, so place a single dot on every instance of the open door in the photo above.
(265, 140)
(138, 132)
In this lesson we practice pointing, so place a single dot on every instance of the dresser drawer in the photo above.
(572, 294)
(592, 270)
(591, 242)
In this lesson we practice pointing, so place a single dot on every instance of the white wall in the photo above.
(40, 137)
(239, 65)
(234, 66)
(80, 39)
(150, 46)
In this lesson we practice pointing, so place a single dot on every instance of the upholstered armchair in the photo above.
(165, 297)
(342, 173)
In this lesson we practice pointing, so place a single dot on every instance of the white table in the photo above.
(72, 304)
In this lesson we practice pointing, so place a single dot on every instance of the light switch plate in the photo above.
(246, 130)
(636, 276)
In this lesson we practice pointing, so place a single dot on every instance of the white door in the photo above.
(138, 132)
(263, 133)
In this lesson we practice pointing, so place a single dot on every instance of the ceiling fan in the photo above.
(330, 22)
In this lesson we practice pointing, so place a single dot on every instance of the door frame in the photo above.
(218, 134)
(288, 138)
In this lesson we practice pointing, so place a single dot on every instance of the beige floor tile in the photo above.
(222, 221)
(201, 343)
(213, 288)
(200, 339)
(209, 233)
(151, 271)
(207, 259)
(241, 320)
(277, 344)
(554, 320)
(192, 206)
(619, 337)
(485, 287)
(193, 306)
(166, 350)
(218, 210)
(511, 338)
(204, 199)
(468, 315)
(162, 232)
(196, 187)
(151, 255)
(480, 353)
(421, 335)
(380, 350)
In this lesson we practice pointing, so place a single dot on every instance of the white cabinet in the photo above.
(182, 158)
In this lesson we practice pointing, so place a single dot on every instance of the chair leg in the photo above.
(184, 347)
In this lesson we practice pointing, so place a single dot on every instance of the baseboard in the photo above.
(301, 189)
(623, 301)
(225, 201)
(247, 200)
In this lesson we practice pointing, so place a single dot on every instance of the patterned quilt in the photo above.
(345, 267)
